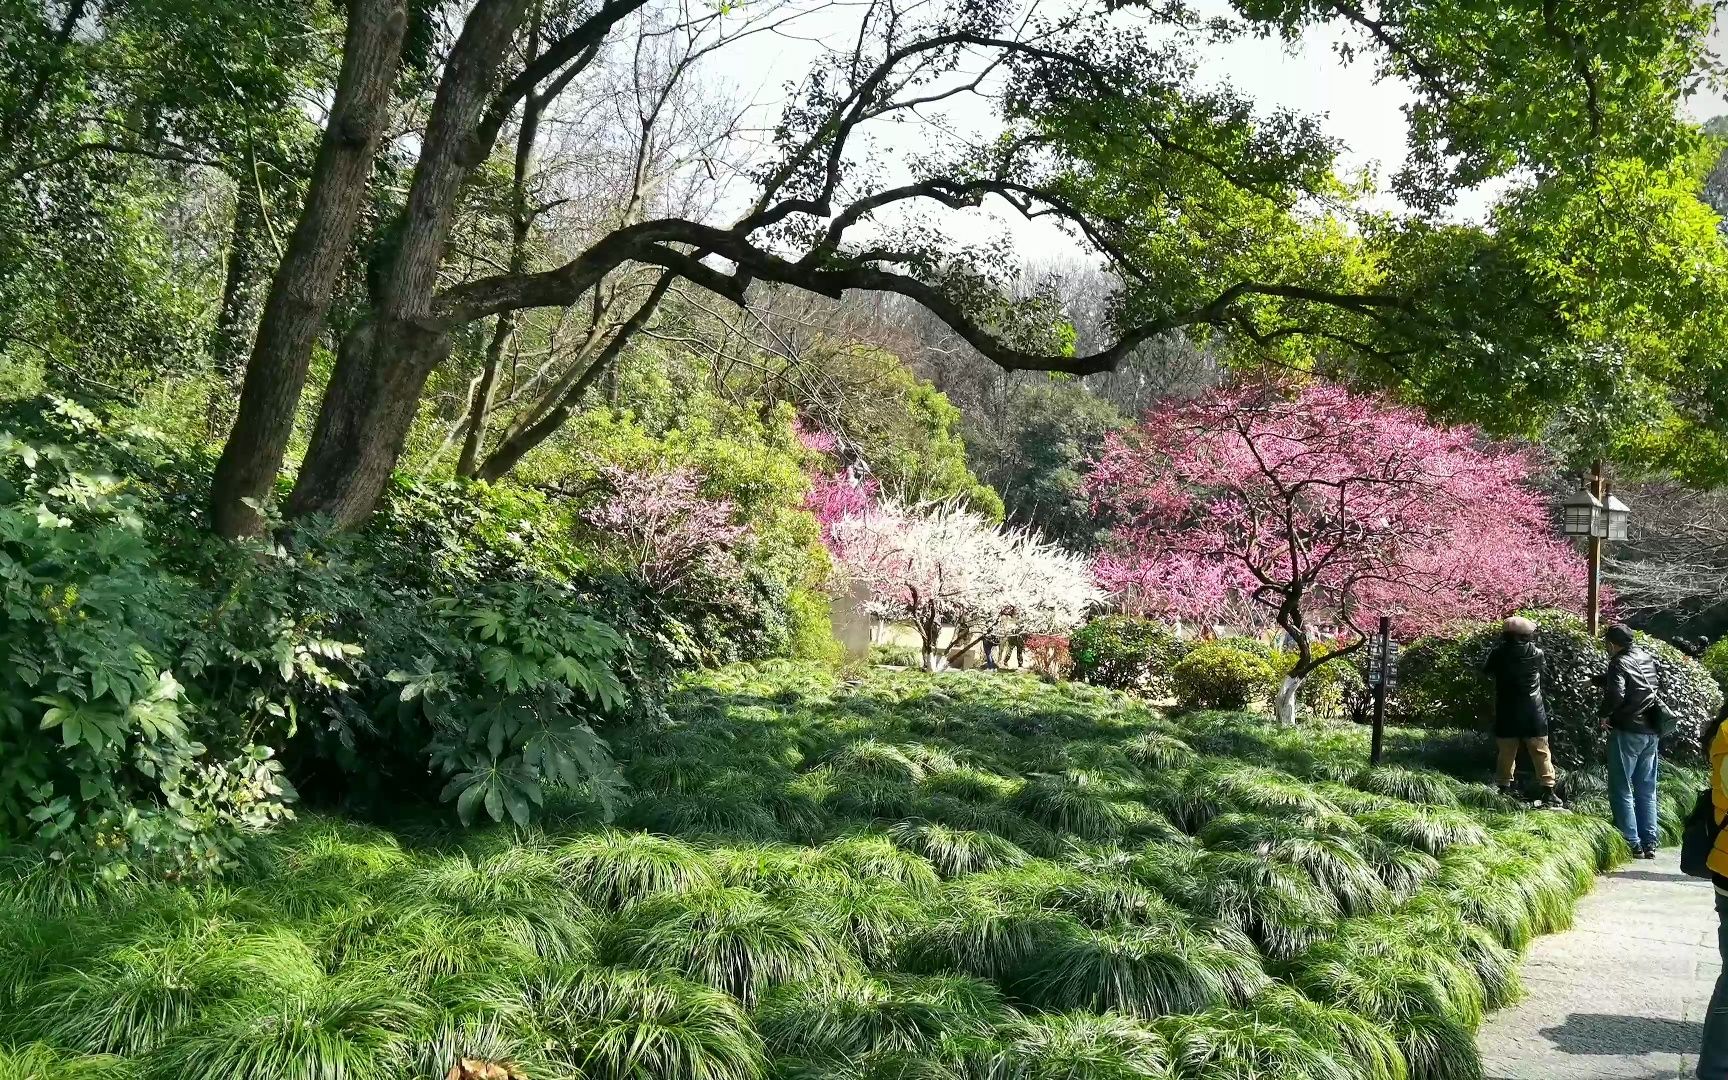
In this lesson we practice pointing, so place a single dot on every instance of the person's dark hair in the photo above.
(1620, 634)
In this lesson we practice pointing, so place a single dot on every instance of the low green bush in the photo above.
(163, 693)
(1715, 661)
(1125, 652)
(1218, 676)
(1441, 685)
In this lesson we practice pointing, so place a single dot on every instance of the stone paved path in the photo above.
(1620, 996)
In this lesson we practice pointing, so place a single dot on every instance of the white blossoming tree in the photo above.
(940, 566)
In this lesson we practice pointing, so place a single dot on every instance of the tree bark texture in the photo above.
(480, 403)
(300, 293)
(383, 365)
(521, 219)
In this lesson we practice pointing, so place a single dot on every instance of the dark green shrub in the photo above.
(1124, 652)
(113, 749)
(157, 682)
(1441, 685)
(1216, 676)
(1715, 661)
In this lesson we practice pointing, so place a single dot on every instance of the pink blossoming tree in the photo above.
(658, 522)
(1310, 504)
(941, 566)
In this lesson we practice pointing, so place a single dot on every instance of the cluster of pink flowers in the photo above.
(1343, 506)
(661, 524)
(835, 492)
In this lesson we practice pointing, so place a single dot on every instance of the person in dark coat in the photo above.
(1520, 714)
(1629, 694)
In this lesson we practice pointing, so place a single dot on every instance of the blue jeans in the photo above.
(1713, 1055)
(1632, 785)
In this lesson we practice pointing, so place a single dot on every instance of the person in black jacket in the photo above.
(1628, 699)
(1520, 715)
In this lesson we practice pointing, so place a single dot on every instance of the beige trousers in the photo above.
(1507, 761)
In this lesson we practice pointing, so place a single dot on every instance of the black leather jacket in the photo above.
(1628, 690)
(1515, 665)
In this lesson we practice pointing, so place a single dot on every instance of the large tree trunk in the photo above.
(382, 367)
(1284, 704)
(521, 219)
(368, 409)
(300, 293)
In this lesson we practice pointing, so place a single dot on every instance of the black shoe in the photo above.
(1550, 801)
(1647, 853)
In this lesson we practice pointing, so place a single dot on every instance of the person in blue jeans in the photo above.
(1628, 695)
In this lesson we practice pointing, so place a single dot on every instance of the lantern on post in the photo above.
(1580, 513)
(1617, 519)
(1595, 515)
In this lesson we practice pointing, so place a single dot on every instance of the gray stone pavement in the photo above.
(1620, 996)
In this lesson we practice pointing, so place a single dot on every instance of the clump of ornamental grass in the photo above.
(1332, 862)
(1080, 803)
(868, 796)
(971, 785)
(956, 852)
(1146, 971)
(1071, 1046)
(896, 1014)
(1404, 870)
(621, 1024)
(486, 1039)
(39, 1061)
(125, 999)
(734, 817)
(611, 869)
(1409, 785)
(1363, 1046)
(985, 817)
(421, 945)
(878, 758)
(1433, 829)
(1276, 905)
(871, 916)
(875, 856)
(356, 1028)
(1156, 752)
(1513, 896)
(35, 886)
(1224, 1044)
(726, 937)
(982, 933)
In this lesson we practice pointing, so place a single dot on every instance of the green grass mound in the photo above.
(889, 876)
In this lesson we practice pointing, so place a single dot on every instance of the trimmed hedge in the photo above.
(1124, 652)
(1441, 685)
(1219, 676)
